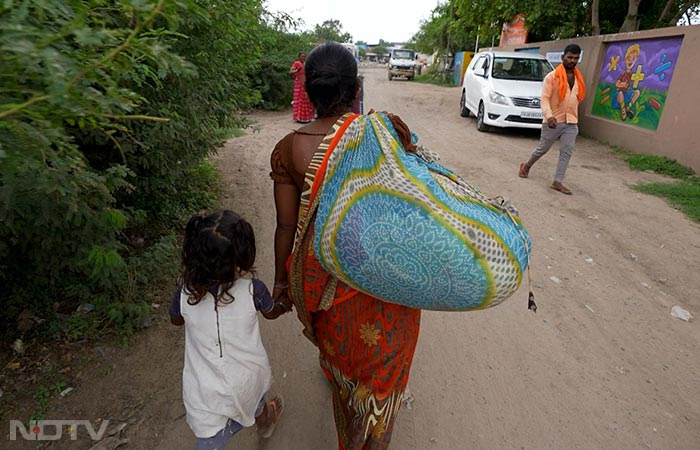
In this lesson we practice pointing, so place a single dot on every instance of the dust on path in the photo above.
(601, 365)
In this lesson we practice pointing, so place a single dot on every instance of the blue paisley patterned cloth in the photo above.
(402, 228)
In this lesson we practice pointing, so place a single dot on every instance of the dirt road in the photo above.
(602, 365)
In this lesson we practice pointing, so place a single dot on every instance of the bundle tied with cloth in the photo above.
(400, 227)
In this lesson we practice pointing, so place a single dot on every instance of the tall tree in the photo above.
(458, 24)
(631, 22)
(331, 30)
(380, 50)
(595, 21)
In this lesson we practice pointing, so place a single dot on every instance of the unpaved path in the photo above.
(602, 365)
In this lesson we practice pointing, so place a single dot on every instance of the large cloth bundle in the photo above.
(402, 228)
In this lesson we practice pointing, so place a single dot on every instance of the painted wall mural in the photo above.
(635, 79)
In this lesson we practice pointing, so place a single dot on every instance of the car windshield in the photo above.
(403, 54)
(525, 69)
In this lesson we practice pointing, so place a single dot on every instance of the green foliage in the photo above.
(280, 48)
(433, 33)
(684, 195)
(435, 77)
(42, 396)
(659, 164)
(331, 30)
(380, 50)
(455, 24)
(107, 111)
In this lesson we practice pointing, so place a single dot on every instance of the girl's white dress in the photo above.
(226, 371)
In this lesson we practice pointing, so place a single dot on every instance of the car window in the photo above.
(525, 69)
(403, 54)
(478, 64)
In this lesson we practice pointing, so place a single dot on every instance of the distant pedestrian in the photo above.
(227, 372)
(302, 109)
(562, 91)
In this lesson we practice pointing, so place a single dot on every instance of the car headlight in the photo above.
(497, 98)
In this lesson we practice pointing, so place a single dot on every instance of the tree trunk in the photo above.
(595, 22)
(631, 22)
(682, 11)
(664, 14)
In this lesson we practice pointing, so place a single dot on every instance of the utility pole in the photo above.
(476, 47)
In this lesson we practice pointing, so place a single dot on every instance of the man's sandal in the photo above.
(524, 170)
(277, 407)
(561, 188)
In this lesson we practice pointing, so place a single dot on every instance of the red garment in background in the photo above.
(302, 110)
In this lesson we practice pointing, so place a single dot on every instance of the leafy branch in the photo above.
(93, 67)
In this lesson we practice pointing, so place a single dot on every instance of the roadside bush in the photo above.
(280, 49)
(107, 111)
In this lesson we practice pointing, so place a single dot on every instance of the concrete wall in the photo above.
(676, 135)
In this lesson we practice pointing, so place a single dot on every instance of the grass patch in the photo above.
(435, 78)
(42, 397)
(231, 132)
(684, 195)
(659, 164)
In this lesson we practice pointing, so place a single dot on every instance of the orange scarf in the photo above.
(560, 75)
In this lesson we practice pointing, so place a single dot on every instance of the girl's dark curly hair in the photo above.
(331, 79)
(217, 250)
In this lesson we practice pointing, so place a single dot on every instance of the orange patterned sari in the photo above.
(366, 346)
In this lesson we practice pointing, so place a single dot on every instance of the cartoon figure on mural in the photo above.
(634, 80)
(627, 94)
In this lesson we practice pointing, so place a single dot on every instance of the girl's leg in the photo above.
(220, 439)
(268, 414)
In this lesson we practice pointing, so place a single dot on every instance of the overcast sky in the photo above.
(365, 20)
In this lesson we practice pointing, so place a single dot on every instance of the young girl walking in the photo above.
(227, 372)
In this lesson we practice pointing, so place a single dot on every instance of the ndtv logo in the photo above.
(52, 430)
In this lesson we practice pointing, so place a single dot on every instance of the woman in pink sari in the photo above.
(302, 110)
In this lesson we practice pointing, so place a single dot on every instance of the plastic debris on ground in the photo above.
(18, 346)
(680, 313)
(85, 307)
(408, 398)
(66, 391)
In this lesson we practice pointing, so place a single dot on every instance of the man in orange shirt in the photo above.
(562, 91)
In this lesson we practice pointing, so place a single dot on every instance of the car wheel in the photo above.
(480, 125)
(410, 78)
(463, 110)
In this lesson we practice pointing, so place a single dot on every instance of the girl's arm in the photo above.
(174, 310)
(264, 303)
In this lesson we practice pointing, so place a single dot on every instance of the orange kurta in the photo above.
(564, 110)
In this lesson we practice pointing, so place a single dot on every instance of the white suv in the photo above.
(503, 89)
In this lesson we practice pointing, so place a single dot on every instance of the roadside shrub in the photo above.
(280, 49)
(107, 112)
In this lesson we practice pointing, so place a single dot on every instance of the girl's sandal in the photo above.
(277, 407)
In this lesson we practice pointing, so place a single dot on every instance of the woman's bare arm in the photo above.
(287, 205)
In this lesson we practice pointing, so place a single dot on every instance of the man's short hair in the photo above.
(572, 48)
